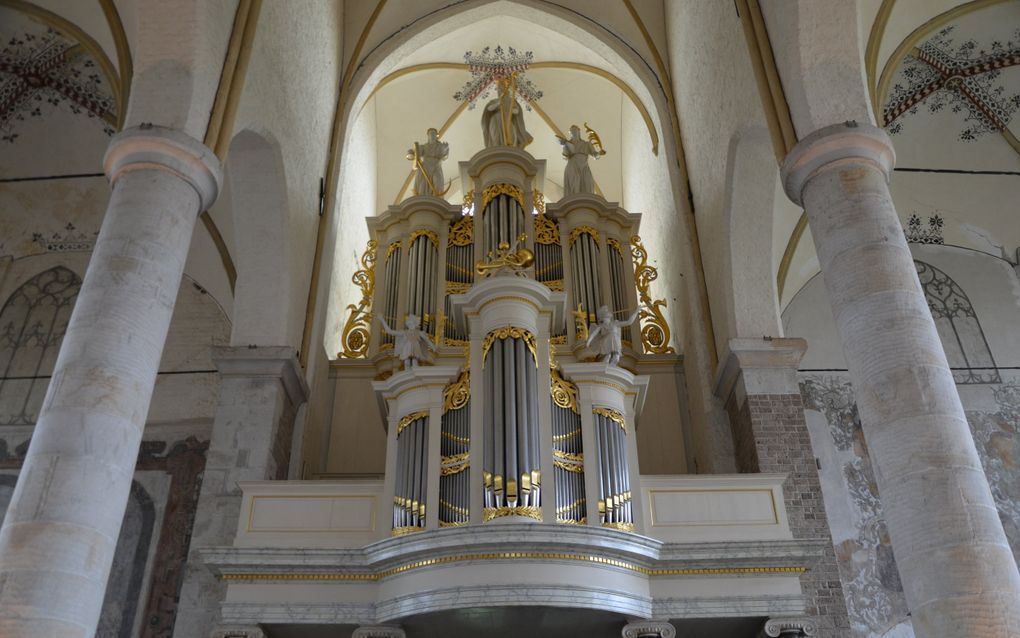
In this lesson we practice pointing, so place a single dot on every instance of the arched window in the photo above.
(32, 325)
(958, 326)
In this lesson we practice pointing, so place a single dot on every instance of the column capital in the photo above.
(151, 147)
(649, 629)
(849, 142)
(263, 361)
(378, 632)
(768, 366)
(789, 628)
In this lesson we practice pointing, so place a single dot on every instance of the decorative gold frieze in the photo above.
(463, 440)
(547, 232)
(457, 287)
(654, 329)
(392, 248)
(528, 556)
(583, 230)
(355, 333)
(491, 192)
(462, 232)
(612, 415)
(489, 513)
(411, 418)
(402, 531)
(615, 243)
(559, 438)
(576, 468)
(510, 332)
(424, 232)
(623, 527)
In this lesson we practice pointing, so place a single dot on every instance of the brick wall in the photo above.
(781, 443)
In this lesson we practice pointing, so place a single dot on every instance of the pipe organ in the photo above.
(516, 419)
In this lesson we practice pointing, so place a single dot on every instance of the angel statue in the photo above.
(604, 337)
(503, 120)
(428, 165)
(411, 343)
(577, 176)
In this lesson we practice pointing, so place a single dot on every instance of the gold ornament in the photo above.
(564, 393)
(583, 230)
(491, 192)
(355, 334)
(547, 232)
(457, 394)
(411, 418)
(654, 329)
(510, 332)
(539, 202)
(615, 243)
(504, 257)
(462, 232)
(612, 415)
(530, 511)
(424, 232)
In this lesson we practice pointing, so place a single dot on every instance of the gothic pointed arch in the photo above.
(32, 325)
(958, 326)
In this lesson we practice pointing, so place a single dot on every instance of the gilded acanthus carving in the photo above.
(355, 333)
(654, 329)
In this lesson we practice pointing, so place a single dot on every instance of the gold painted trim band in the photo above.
(583, 558)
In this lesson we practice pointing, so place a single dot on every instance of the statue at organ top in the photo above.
(577, 176)
(428, 165)
(502, 119)
(503, 116)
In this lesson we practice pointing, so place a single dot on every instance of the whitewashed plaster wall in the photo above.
(289, 99)
(717, 102)
(863, 550)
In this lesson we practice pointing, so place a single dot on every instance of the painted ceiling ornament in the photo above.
(44, 71)
(963, 78)
(502, 117)
(915, 234)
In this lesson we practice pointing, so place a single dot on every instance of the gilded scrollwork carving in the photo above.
(654, 329)
(462, 232)
(355, 333)
(507, 333)
(491, 192)
(547, 231)
(457, 394)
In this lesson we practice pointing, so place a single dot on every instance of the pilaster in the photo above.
(261, 389)
(758, 385)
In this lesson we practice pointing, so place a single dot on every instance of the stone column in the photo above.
(59, 536)
(260, 392)
(957, 569)
(648, 629)
(758, 385)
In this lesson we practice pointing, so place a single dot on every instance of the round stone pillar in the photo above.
(957, 569)
(60, 532)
